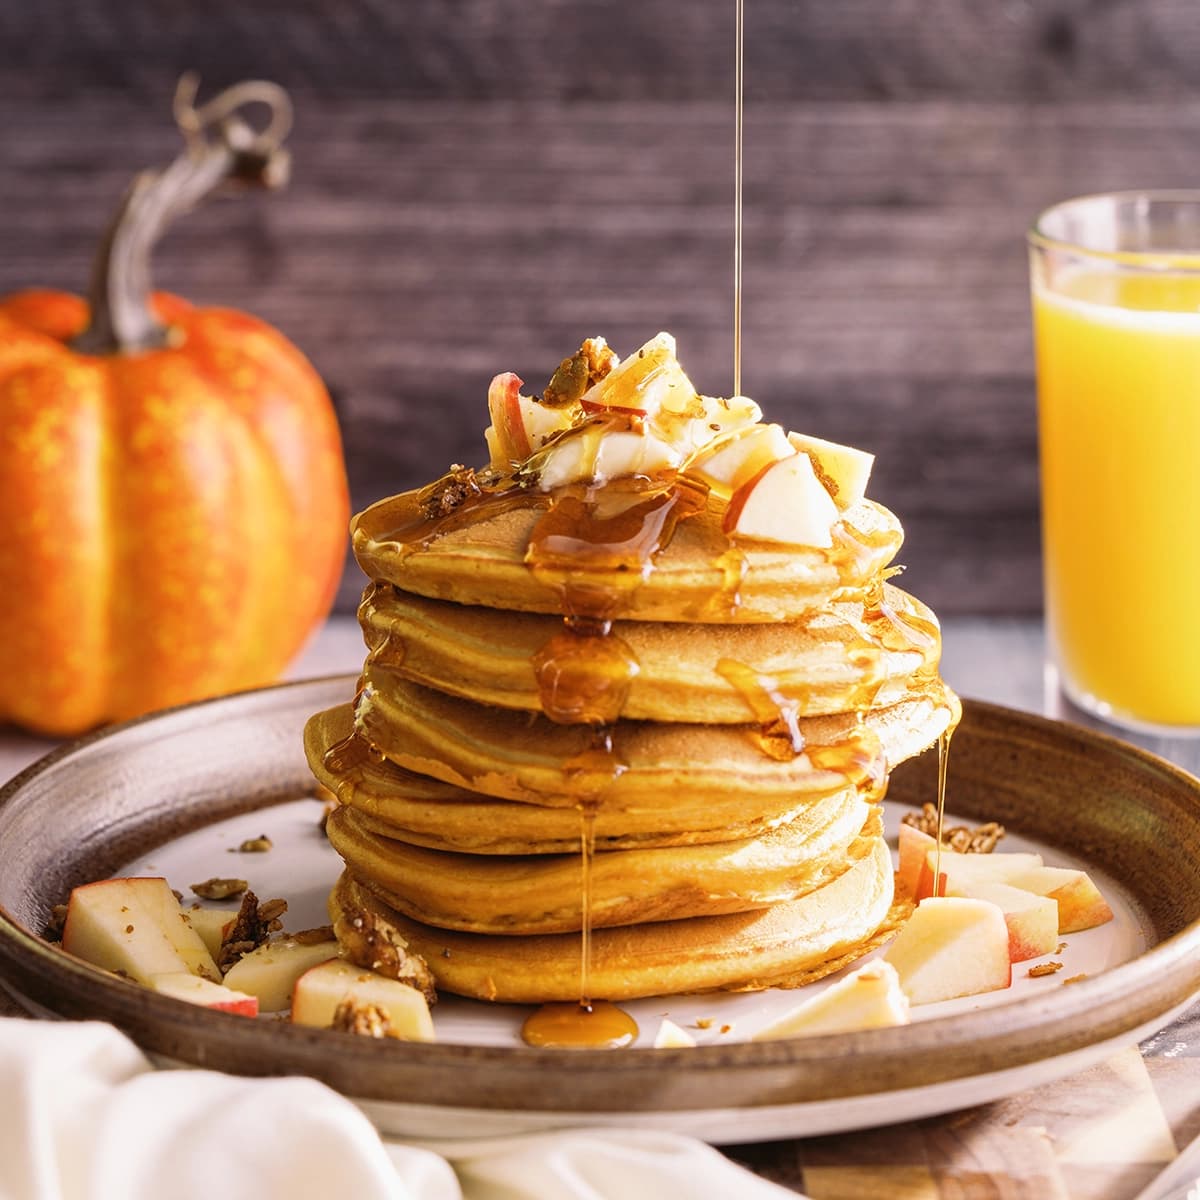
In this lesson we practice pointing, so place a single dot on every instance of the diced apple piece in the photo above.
(1080, 904)
(869, 998)
(197, 990)
(671, 1037)
(271, 971)
(596, 456)
(951, 946)
(842, 469)
(319, 991)
(959, 870)
(734, 461)
(648, 380)
(506, 437)
(134, 926)
(913, 847)
(785, 503)
(708, 419)
(210, 924)
(1032, 920)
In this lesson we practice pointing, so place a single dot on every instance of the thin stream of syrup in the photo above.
(739, 42)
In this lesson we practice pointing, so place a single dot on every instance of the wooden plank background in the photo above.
(478, 184)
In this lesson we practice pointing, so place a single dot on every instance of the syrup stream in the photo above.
(739, 40)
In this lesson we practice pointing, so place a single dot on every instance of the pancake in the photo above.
(837, 659)
(653, 765)
(787, 944)
(695, 577)
(523, 894)
(427, 812)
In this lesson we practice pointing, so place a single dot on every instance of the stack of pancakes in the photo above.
(592, 707)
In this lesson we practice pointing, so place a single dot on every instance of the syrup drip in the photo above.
(896, 629)
(858, 758)
(943, 763)
(595, 552)
(584, 675)
(776, 712)
(598, 1025)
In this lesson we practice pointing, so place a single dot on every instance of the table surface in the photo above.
(1100, 1135)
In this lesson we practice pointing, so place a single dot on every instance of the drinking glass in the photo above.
(1116, 313)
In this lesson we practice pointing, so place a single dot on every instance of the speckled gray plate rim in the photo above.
(90, 806)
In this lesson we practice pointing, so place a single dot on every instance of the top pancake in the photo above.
(699, 575)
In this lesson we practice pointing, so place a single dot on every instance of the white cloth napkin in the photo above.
(84, 1116)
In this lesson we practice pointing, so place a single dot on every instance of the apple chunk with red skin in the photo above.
(951, 946)
(1080, 904)
(1032, 920)
(785, 502)
(197, 990)
(134, 926)
(914, 844)
(958, 869)
(319, 992)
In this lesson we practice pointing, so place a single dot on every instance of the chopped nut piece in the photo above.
(219, 889)
(368, 1020)
(1061, 947)
(726, 1028)
(704, 1022)
(368, 940)
(258, 845)
(1046, 968)
(981, 840)
(177, 894)
(452, 491)
(1075, 978)
(252, 926)
(312, 937)
(54, 927)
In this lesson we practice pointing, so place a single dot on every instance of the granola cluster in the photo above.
(960, 838)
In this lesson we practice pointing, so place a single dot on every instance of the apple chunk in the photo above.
(1080, 904)
(646, 381)
(320, 991)
(959, 870)
(869, 998)
(197, 990)
(134, 926)
(732, 461)
(270, 972)
(785, 503)
(671, 1037)
(1032, 920)
(211, 924)
(914, 844)
(843, 469)
(951, 946)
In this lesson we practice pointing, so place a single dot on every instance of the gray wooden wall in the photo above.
(478, 184)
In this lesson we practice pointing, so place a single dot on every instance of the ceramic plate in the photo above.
(176, 793)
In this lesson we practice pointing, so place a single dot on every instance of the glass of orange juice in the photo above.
(1116, 310)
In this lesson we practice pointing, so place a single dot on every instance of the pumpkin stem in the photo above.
(220, 148)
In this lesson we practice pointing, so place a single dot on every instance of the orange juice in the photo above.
(1118, 363)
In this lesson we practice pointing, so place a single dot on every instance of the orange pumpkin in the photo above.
(172, 519)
